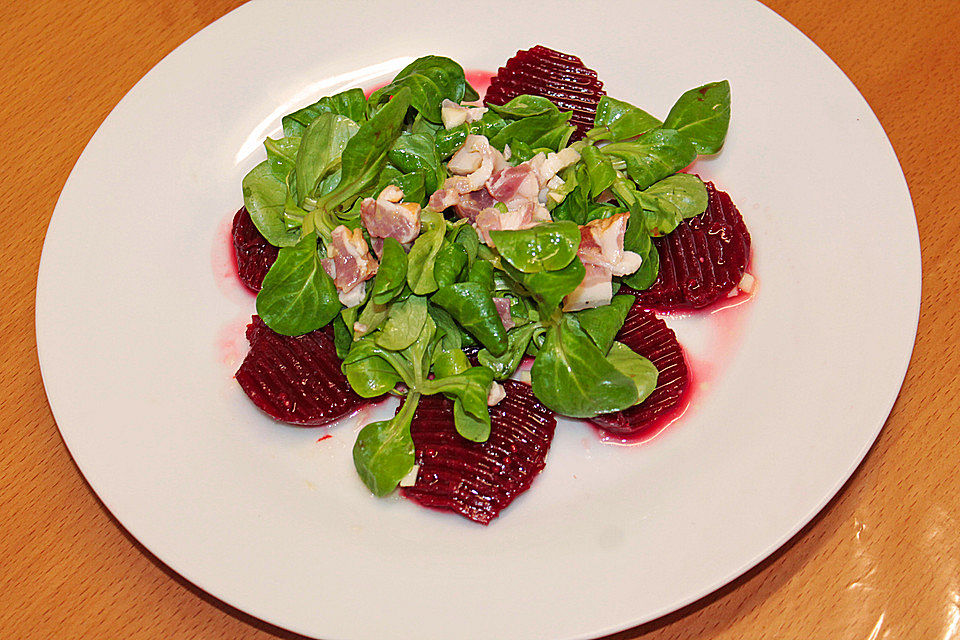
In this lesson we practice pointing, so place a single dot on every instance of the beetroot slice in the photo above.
(479, 479)
(296, 379)
(649, 336)
(702, 260)
(561, 78)
(254, 254)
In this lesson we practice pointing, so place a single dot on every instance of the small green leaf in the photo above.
(451, 261)
(264, 196)
(549, 246)
(383, 452)
(686, 193)
(571, 376)
(643, 373)
(518, 338)
(603, 323)
(403, 324)
(297, 295)
(351, 103)
(524, 106)
(702, 115)
(617, 120)
(430, 80)
(472, 306)
(653, 156)
(420, 260)
(392, 273)
(469, 390)
(319, 152)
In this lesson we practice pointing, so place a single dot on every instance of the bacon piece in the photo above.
(479, 479)
(387, 217)
(476, 160)
(295, 379)
(446, 196)
(471, 204)
(503, 309)
(649, 336)
(349, 263)
(492, 219)
(559, 77)
(453, 114)
(515, 185)
(595, 290)
(702, 260)
(601, 243)
(602, 254)
(254, 254)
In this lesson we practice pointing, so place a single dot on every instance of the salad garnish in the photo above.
(445, 242)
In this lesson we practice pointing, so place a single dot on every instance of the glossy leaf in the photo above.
(702, 116)
(264, 196)
(571, 376)
(643, 372)
(297, 295)
(392, 274)
(653, 156)
(350, 103)
(423, 254)
(603, 323)
(546, 247)
(471, 305)
(617, 120)
(384, 453)
(430, 80)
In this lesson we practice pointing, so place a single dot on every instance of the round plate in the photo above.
(140, 328)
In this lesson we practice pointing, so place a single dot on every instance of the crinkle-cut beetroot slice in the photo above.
(296, 379)
(649, 336)
(559, 77)
(254, 254)
(702, 260)
(479, 479)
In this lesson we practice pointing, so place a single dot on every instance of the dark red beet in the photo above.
(649, 336)
(254, 254)
(296, 379)
(478, 480)
(560, 77)
(702, 260)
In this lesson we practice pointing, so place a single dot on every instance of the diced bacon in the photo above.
(503, 308)
(492, 219)
(476, 160)
(602, 254)
(595, 290)
(601, 243)
(446, 196)
(349, 263)
(497, 393)
(453, 114)
(515, 184)
(472, 203)
(387, 217)
(391, 193)
(354, 296)
(547, 166)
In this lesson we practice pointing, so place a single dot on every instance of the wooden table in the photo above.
(881, 561)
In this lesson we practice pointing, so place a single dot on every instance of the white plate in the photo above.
(140, 323)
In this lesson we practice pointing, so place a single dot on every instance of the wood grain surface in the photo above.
(881, 561)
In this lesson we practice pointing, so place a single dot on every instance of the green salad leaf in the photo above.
(702, 115)
(383, 452)
(297, 295)
(430, 80)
